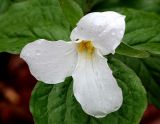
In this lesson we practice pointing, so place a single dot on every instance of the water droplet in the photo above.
(116, 108)
(81, 28)
(37, 52)
(104, 31)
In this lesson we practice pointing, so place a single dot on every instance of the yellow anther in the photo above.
(87, 47)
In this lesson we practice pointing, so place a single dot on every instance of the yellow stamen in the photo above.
(86, 46)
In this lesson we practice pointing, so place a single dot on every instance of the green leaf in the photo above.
(56, 104)
(81, 3)
(143, 33)
(153, 48)
(142, 30)
(145, 69)
(146, 5)
(87, 5)
(72, 11)
(153, 63)
(4, 5)
(27, 21)
(124, 49)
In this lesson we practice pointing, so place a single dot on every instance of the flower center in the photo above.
(86, 46)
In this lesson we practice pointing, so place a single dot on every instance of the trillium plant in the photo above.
(95, 88)
(91, 67)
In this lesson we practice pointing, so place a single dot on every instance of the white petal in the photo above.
(50, 62)
(105, 29)
(95, 88)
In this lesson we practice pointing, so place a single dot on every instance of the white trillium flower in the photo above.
(94, 87)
